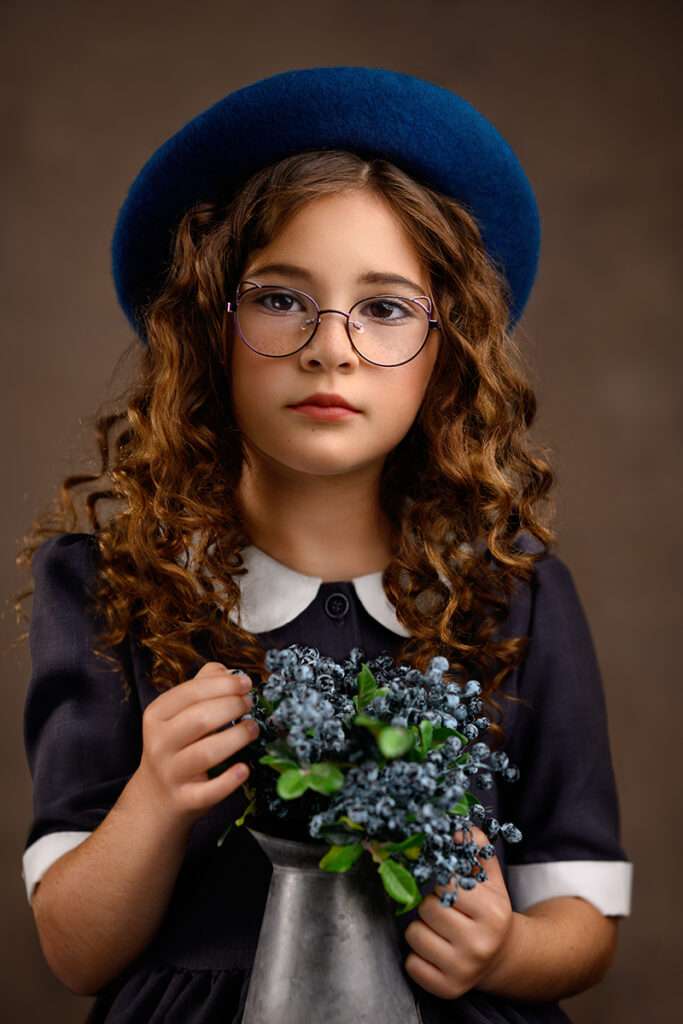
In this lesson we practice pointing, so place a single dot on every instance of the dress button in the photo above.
(337, 605)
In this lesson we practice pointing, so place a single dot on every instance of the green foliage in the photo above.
(341, 858)
(400, 885)
(324, 777)
(347, 837)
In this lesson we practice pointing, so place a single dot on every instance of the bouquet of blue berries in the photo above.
(377, 757)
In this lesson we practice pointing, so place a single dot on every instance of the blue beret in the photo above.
(427, 130)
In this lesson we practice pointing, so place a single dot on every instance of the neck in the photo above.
(326, 526)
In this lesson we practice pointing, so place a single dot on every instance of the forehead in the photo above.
(352, 236)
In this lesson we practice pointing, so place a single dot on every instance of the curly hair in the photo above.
(457, 490)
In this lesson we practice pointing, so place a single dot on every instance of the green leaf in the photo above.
(341, 858)
(225, 834)
(373, 724)
(325, 777)
(366, 679)
(462, 808)
(398, 881)
(345, 820)
(263, 702)
(292, 784)
(410, 846)
(367, 688)
(279, 763)
(409, 906)
(378, 852)
(336, 836)
(249, 810)
(280, 748)
(426, 731)
(394, 741)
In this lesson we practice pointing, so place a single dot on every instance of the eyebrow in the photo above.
(371, 277)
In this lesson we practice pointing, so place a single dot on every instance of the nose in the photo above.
(343, 328)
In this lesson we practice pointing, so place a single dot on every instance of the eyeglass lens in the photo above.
(386, 329)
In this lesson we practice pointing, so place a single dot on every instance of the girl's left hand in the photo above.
(455, 947)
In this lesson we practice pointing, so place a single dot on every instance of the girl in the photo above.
(368, 239)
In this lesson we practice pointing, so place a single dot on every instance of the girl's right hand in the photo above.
(180, 741)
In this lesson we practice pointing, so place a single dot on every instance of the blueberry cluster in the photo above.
(322, 724)
(314, 701)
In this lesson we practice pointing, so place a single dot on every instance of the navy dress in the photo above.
(83, 742)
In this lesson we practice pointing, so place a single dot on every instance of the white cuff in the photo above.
(605, 883)
(42, 854)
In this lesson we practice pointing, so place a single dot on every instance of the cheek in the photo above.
(249, 376)
(403, 395)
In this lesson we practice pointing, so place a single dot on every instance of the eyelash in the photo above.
(387, 301)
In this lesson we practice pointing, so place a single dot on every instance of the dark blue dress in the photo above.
(84, 741)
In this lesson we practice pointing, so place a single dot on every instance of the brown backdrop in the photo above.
(585, 94)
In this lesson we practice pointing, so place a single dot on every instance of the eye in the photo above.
(381, 309)
(278, 301)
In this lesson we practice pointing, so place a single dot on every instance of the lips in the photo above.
(326, 401)
(325, 412)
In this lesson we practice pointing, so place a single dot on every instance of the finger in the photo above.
(473, 834)
(218, 683)
(430, 977)
(197, 758)
(206, 718)
(452, 923)
(431, 946)
(491, 865)
(487, 873)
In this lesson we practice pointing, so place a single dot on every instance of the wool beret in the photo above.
(429, 131)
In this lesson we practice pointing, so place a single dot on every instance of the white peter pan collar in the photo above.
(272, 594)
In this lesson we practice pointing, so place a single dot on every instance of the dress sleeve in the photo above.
(565, 801)
(82, 736)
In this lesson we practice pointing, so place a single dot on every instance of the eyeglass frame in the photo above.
(432, 324)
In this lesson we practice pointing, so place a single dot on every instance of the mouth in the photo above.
(324, 412)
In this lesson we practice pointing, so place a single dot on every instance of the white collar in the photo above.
(272, 594)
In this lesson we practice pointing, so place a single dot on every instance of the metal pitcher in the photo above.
(328, 950)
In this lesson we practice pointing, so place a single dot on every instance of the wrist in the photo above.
(140, 797)
(506, 962)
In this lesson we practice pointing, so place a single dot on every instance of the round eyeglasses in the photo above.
(387, 330)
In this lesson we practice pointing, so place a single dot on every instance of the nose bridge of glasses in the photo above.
(339, 312)
(317, 320)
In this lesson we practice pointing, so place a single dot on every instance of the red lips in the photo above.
(326, 400)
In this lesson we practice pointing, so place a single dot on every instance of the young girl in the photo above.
(368, 239)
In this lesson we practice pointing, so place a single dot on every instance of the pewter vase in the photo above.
(328, 950)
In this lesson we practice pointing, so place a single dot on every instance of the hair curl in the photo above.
(457, 489)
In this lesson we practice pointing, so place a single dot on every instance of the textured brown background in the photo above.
(585, 94)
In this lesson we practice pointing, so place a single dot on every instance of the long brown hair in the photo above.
(457, 490)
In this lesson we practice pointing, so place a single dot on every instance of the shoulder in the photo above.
(65, 552)
(549, 569)
(549, 594)
(64, 570)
